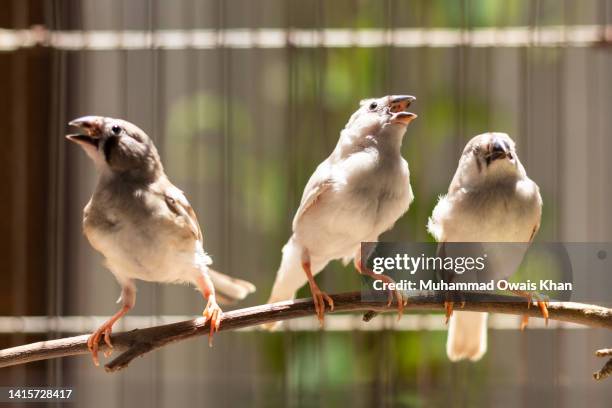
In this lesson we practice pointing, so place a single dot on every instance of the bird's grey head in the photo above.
(117, 147)
(489, 156)
(376, 114)
(378, 121)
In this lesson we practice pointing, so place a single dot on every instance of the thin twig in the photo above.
(141, 341)
(604, 352)
(606, 370)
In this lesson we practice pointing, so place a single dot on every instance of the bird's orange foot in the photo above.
(319, 298)
(448, 307)
(391, 293)
(212, 313)
(542, 302)
(93, 341)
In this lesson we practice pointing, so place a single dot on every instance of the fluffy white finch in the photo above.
(490, 199)
(142, 224)
(356, 194)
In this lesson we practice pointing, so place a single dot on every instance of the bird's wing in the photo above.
(178, 204)
(320, 182)
(538, 220)
(535, 230)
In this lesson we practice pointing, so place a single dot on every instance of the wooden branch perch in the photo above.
(141, 341)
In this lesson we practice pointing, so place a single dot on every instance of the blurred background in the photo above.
(243, 99)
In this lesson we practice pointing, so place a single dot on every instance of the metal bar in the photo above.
(335, 323)
(520, 36)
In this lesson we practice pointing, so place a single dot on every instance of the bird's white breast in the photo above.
(499, 216)
(139, 251)
(503, 214)
(366, 200)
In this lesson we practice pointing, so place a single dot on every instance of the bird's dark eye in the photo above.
(116, 129)
(373, 105)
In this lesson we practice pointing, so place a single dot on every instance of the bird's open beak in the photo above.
(497, 150)
(399, 103)
(403, 118)
(91, 127)
(397, 107)
(83, 140)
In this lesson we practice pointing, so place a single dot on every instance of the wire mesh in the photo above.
(244, 99)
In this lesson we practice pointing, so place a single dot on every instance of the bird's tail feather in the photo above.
(289, 278)
(230, 289)
(467, 336)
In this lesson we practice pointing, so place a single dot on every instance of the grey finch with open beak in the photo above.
(355, 195)
(142, 224)
(490, 200)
